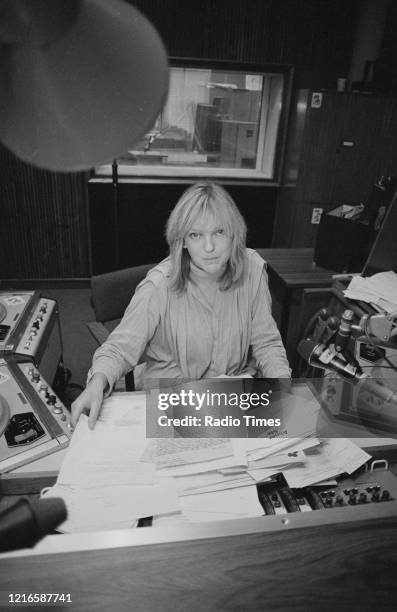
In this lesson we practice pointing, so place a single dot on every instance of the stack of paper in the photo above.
(102, 480)
(113, 475)
(379, 289)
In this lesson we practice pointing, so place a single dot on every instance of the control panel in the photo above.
(373, 487)
(39, 423)
(29, 327)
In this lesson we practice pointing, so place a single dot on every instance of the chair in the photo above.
(110, 296)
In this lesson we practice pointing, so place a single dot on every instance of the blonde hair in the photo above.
(197, 200)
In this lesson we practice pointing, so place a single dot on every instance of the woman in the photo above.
(203, 312)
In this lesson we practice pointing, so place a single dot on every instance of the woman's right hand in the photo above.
(90, 400)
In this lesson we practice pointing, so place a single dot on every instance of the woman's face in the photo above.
(209, 246)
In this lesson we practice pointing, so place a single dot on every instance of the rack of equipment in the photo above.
(30, 329)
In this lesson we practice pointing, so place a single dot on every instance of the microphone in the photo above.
(344, 332)
(26, 522)
(319, 356)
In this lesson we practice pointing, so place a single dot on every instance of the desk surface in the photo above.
(295, 267)
(265, 563)
(341, 566)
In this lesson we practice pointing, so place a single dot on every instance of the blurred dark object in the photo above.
(378, 201)
(26, 522)
(80, 80)
(341, 244)
(344, 244)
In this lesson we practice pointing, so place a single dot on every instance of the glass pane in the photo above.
(214, 122)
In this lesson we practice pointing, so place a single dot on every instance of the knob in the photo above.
(352, 499)
(36, 324)
(339, 500)
(51, 400)
(57, 410)
(328, 502)
(35, 377)
(375, 496)
(63, 417)
(346, 491)
(385, 495)
(362, 498)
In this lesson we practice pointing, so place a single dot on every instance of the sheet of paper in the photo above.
(222, 505)
(109, 454)
(332, 457)
(222, 484)
(171, 452)
(380, 289)
(114, 507)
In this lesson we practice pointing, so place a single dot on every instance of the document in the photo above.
(102, 480)
(332, 457)
(380, 289)
(117, 507)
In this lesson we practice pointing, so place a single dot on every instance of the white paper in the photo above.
(222, 505)
(332, 457)
(115, 507)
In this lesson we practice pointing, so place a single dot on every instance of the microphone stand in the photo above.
(115, 184)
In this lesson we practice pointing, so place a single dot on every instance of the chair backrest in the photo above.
(112, 292)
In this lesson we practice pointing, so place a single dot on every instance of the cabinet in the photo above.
(336, 149)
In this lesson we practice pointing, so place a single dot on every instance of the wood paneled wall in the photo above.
(43, 222)
(43, 226)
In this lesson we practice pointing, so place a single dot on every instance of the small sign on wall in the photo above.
(317, 99)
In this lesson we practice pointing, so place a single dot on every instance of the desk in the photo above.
(342, 566)
(290, 272)
(263, 563)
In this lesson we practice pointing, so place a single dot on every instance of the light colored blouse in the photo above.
(196, 334)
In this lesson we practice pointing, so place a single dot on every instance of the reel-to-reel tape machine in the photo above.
(36, 421)
(30, 329)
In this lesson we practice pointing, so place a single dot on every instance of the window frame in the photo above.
(187, 173)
